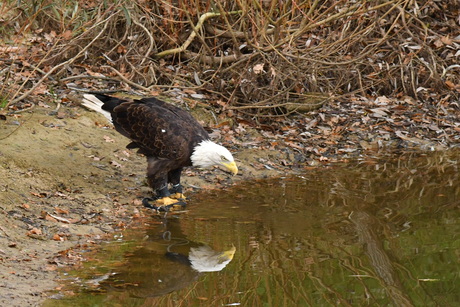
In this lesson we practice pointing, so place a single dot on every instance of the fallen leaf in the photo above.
(438, 43)
(49, 218)
(108, 139)
(379, 112)
(66, 35)
(446, 40)
(115, 163)
(258, 68)
(61, 211)
(450, 84)
(34, 231)
(40, 195)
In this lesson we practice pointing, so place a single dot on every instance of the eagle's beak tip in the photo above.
(232, 167)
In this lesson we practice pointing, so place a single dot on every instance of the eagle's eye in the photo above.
(223, 158)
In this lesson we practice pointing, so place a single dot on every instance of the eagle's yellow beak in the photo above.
(231, 166)
(228, 255)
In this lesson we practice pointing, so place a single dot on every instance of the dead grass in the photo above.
(256, 57)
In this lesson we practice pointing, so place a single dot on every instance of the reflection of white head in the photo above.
(205, 259)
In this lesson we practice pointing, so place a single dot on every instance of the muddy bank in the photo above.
(67, 180)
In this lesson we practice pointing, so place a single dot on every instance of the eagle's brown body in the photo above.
(164, 133)
(168, 136)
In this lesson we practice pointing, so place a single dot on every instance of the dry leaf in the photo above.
(67, 35)
(446, 40)
(34, 231)
(108, 139)
(115, 163)
(450, 84)
(258, 68)
(438, 43)
(61, 211)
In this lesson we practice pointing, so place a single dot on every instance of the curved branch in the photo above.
(152, 40)
(124, 79)
(192, 35)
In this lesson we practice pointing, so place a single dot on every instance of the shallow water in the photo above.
(375, 232)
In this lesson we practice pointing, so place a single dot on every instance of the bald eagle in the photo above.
(168, 136)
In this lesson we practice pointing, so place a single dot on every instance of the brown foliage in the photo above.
(257, 56)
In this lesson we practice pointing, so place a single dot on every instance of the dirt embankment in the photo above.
(68, 180)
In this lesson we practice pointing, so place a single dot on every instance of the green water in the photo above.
(371, 233)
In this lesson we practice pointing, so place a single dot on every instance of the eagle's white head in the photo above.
(208, 153)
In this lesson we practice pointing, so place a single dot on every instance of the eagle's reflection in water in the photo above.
(166, 262)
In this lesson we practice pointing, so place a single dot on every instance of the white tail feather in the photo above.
(91, 102)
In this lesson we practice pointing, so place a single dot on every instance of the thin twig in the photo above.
(151, 39)
(77, 77)
(124, 79)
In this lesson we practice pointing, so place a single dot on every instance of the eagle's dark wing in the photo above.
(157, 128)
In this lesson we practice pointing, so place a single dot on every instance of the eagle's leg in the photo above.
(157, 180)
(176, 189)
(176, 192)
(163, 197)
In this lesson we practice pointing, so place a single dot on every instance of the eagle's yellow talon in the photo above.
(178, 196)
(165, 201)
